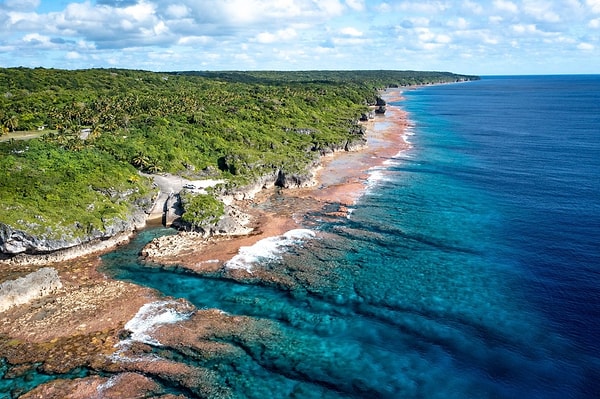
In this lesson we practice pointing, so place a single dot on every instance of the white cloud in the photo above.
(475, 37)
(524, 29)
(585, 47)
(443, 39)
(157, 29)
(490, 40)
(266, 37)
(594, 5)
(472, 7)
(357, 5)
(139, 12)
(22, 20)
(73, 55)
(112, 27)
(541, 10)
(183, 34)
(235, 14)
(425, 38)
(349, 41)
(194, 40)
(280, 35)
(350, 31)
(384, 8)
(331, 7)
(425, 7)
(35, 37)
(505, 5)
(458, 23)
(177, 11)
(416, 22)
(40, 41)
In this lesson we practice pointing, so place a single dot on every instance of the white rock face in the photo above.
(40, 283)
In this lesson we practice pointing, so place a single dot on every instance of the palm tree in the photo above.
(154, 168)
(140, 160)
(12, 123)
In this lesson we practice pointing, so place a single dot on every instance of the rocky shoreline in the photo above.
(90, 321)
(17, 246)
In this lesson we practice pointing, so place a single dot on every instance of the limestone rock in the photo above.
(16, 241)
(24, 289)
(233, 223)
(293, 180)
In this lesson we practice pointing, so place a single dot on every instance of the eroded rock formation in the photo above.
(34, 285)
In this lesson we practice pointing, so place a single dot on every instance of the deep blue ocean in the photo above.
(469, 269)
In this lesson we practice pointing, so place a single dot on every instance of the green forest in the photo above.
(94, 130)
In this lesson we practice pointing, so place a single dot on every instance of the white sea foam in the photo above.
(268, 249)
(392, 161)
(376, 176)
(111, 382)
(349, 213)
(145, 321)
(152, 315)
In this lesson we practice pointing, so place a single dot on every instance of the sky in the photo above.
(497, 37)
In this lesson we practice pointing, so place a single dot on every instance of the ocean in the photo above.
(470, 268)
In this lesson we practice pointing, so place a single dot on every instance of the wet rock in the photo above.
(125, 385)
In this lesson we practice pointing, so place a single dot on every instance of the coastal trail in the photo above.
(170, 186)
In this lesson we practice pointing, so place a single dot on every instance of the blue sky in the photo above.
(464, 36)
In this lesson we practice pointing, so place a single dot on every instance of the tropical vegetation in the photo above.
(99, 127)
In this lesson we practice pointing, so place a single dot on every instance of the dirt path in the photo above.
(171, 185)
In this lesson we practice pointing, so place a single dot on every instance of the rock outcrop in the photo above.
(40, 283)
(15, 240)
(295, 180)
(66, 254)
(233, 223)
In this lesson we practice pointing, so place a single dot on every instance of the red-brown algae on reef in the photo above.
(83, 324)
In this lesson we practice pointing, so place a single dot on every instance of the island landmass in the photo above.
(318, 138)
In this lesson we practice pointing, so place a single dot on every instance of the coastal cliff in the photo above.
(62, 189)
(15, 241)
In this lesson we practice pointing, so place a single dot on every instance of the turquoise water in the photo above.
(469, 269)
